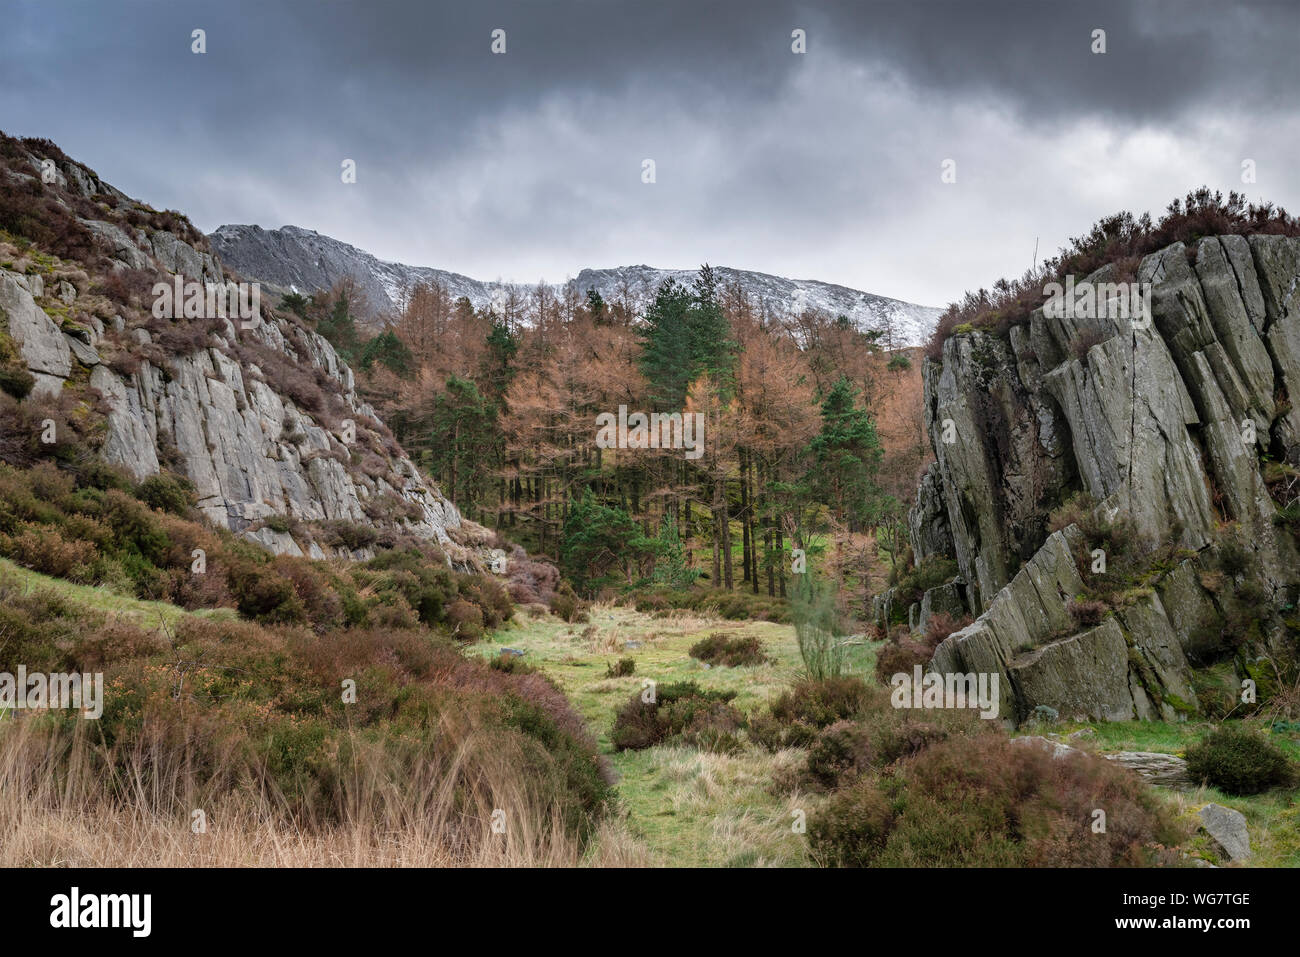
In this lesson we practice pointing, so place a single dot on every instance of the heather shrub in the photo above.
(733, 606)
(1234, 558)
(567, 605)
(851, 829)
(732, 652)
(984, 801)
(340, 533)
(46, 550)
(530, 580)
(1238, 760)
(16, 380)
(316, 591)
(262, 595)
(902, 653)
(1122, 239)
(465, 620)
(1087, 613)
(773, 734)
(252, 709)
(1084, 341)
(423, 580)
(699, 717)
(842, 751)
(930, 573)
(489, 595)
(846, 750)
(511, 664)
(821, 703)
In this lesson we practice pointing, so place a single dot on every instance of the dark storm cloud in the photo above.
(822, 166)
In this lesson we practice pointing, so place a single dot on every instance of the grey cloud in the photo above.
(523, 165)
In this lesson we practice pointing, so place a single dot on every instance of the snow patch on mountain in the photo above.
(295, 259)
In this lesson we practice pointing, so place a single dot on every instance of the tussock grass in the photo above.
(56, 810)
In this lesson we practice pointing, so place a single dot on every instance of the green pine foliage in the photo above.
(848, 455)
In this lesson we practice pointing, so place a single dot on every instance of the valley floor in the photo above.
(685, 807)
(678, 806)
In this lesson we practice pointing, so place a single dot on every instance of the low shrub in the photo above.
(465, 620)
(822, 703)
(930, 573)
(900, 655)
(253, 711)
(568, 606)
(621, 668)
(732, 652)
(167, 493)
(46, 550)
(1087, 613)
(489, 595)
(904, 651)
(731, 605)
(842, 751)
(1238, 760)
(340, 533)
(985, 801)
(511, 664)
(705, 719)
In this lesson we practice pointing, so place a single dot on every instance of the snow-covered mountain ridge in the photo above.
(293, 258)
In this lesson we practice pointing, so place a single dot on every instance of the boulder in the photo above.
(1227, 828)
(1166, 770)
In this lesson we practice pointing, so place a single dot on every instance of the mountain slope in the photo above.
(261, 416)
(302, 260)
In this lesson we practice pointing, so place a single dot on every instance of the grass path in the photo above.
(688, 807)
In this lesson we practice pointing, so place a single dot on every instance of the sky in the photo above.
(528, 164)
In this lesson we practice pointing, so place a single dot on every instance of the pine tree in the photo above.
(464, 437)
(847, 453)
(666, 358)
(712, 349)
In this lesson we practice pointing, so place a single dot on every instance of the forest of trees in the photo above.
(500, 407)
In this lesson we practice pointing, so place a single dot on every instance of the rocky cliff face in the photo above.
(261, 415)
(1167, 449)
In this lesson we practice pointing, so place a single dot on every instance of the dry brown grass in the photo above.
(55, 812)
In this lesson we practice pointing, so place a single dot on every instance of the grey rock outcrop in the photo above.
(207, 409)
(1166, 421)
(949, 599)
(39, 340)
(927, 521)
